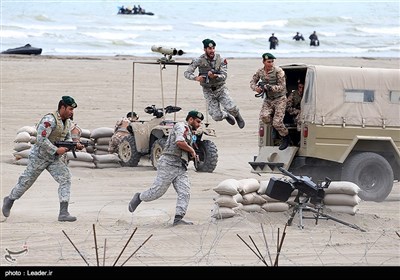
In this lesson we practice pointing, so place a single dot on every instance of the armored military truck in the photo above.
(350, 129)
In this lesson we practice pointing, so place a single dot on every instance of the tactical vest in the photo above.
(61, 130)
(172, 149)
(205, 66)
(272, 80)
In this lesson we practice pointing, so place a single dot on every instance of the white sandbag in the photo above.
(22, 146)
(22, 137)
(102, 132)
(263, 187)
(248, 185)
(269, 199)
(275, 206)
(222, 212)
(100, 152)
(22, 154)
(80, 156)
(107, 165)
(228, 186)
(352, 210)
(103, 141)
(238, 198)
(101, 147)
(85, 133)
(224, 200)
(253, 198)
(108, 158)
(77, 163)
(33, 140)
(90, 149)
(251, 208)
(341, 199)
(342, 187)
(30, 129)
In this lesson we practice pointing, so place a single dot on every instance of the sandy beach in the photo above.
(102, 87)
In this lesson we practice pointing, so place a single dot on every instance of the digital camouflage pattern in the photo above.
(43, 157)
(215, 92)
(171, 169)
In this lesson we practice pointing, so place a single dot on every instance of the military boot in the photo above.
(7, 204)
(180, 221)
(64, 216)
(285, 142)
(134, 202)
(239, 120)
(230, 119)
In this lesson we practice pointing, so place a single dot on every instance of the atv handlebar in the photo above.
(158, 112)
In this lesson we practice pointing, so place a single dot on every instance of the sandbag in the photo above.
(228, 186)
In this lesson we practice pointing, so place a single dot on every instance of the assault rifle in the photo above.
(71, 145)
(205, 75)
(265, 89)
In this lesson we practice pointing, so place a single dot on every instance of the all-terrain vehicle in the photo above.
(148, 138)
(350, 129)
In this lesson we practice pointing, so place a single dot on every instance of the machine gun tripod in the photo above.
(318, 214)
(308, 193)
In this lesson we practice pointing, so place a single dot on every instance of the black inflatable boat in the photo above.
(27, 49)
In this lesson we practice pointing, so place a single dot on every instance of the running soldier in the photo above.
(120, 131)
(172, 168)
(52, 127)
(213, 72)
(271, 80)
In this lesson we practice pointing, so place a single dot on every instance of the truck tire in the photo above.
(372, 173)
(208, 156)
(156, 150)
(128, 153)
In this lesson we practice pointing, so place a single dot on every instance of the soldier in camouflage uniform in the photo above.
(270, 82)
(120, 131)
(293, 103)
(212, 76)
(52, 127)
(172, 168)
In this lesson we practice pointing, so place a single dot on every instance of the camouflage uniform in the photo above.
(43, 156)
(120, 131)
(274, 104)
(172, 169)
(215, 91)
(293, 106)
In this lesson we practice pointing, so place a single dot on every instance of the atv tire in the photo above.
(156, 151)
(208, 156)
(128, 153)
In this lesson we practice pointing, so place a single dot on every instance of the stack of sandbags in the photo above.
(342, 196)
(226, 202)
(246, 195)
(101, 137)
(26, 137)
(271, 204)
(251, 199)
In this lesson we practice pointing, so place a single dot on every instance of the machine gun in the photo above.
(281, 189)
(71, 145)
(205, 75)
(167, 52)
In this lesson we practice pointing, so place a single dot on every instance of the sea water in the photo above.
(239, 28)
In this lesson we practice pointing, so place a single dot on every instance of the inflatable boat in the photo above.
(27, 49)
